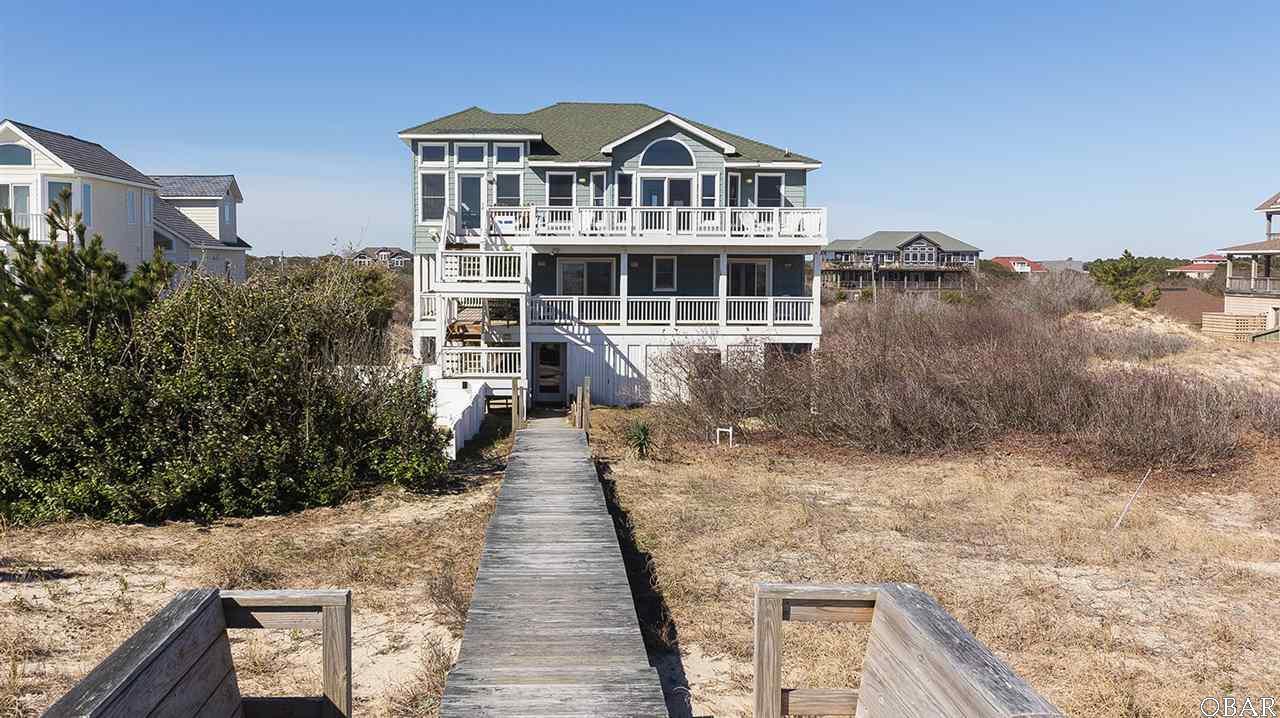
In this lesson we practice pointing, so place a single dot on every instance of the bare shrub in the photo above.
(1055, 294)
(911, 374)
(1155, 416)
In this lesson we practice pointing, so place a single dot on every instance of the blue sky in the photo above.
(1049, 132)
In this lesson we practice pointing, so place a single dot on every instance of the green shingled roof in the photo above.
(575, 131)
(889, 240)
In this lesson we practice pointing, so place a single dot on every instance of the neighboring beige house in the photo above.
(116, 201)
(389, 257)
(207, 238)
(191, 218)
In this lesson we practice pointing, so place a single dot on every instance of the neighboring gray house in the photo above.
(196, 223)
(389, 257)
(586, 239)
(911, 260)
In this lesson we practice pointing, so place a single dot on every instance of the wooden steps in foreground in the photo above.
(552, 629)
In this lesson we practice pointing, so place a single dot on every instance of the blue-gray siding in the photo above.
(626, 158)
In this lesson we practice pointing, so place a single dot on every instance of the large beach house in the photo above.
(1251, 302)
(585, 239)
(191, 219)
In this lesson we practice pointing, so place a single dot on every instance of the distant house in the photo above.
(909, 260)
(389, 257)
(1201, 267)
(132, 212)
(196, 223)
(1021, 265)
(1063, 265)
(1251, 304)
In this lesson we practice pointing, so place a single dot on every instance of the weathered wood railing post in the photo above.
(335, 643)
(919, 660)
(586, 403)
(768, 658)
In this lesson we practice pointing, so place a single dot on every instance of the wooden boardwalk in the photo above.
(552, 630)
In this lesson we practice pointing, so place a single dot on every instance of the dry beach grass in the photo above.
(1016, 542)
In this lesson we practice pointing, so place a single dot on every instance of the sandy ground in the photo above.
(1257, 365)
(71, 593)
(1178, 604)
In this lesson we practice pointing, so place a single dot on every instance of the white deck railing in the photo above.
(472, 266)
(763, 311)
(480, 362)
(734, 222)
(1265, 285)
(427, 307)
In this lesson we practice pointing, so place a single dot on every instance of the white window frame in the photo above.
(457, 154)
(782, 187)
(617, 184)
(613, 274)
(675, 267)
(715, 195)
(457, 198)
(573, 182)
(86, 203)
(519, 187)
(442, 163)
(604, 188)
(131, 206)
(666, 177)
(519, 146)
(733, 179)
(148, 208)
(226, 210)
(768, 277)
(422, 205)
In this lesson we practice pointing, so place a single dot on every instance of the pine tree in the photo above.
(69, 284)
(1127, 278)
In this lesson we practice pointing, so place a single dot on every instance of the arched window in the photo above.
(666, 153)
(15, 155)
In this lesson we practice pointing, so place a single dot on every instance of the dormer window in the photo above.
(666, 153)
(226, 211)
(15, 156)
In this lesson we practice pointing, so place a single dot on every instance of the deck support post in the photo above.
(622, 288)
(817, 286)
(1253, 271)
(722, 288)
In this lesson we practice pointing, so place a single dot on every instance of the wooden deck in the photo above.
(552, 630)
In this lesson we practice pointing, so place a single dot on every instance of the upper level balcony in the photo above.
(1255, 285)
(654, 225)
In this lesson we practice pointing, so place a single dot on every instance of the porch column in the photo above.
(622, 288)
(1253, 271)
(524, 350)
(1230, 261)
(817, 286)
(1268, 225)
(722, 287)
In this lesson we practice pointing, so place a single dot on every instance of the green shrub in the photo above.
(221, 400)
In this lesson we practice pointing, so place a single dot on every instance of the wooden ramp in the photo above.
(552, 630)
